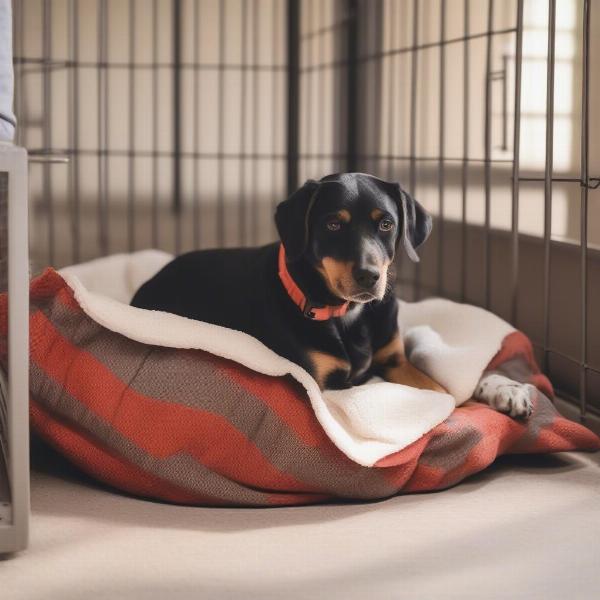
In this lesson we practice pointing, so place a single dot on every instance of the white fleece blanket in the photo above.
(453, 343)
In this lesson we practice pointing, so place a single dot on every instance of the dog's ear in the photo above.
(416, 222)
(292, 216)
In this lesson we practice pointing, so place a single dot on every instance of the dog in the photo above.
(321, 297)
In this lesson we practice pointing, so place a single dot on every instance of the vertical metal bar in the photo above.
(102, 128)
(74, 183)
(504, 102)
(465, 153)
(319, 90)
(255, 117)
(412, 176)
(516, 167)
(177, 34)
(585, 147)
(391, 17)
(442, 143)
(18, 55)
(243, 107)
(155, 124)
(309, 77)
(47, 126)
(488, 153)
(21, 131)
(293, 93)
(548, 175)
(275, 101)
(196, 135)
(131, 162)
(221, 128)
(351, 85)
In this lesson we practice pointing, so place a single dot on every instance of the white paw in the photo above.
(506, 396)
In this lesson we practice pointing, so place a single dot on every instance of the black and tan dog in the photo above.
(323, 297)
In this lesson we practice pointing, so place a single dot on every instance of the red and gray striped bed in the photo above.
(189, 427)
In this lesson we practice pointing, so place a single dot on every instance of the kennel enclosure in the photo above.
(180, 124)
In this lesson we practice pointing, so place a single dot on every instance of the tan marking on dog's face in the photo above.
(324, 365)
(340, 281)
(344, 216)
(376, 214)
(337, 275)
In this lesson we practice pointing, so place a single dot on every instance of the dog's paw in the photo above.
(506, 396)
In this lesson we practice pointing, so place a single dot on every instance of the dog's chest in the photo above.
(356, 339)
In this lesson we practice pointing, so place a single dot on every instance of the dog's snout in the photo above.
(366, 277)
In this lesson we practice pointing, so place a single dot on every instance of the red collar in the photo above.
(311, 311)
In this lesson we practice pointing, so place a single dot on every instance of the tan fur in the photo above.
(402, 371)
(337, 274)
(376, 214)
(395, 347)
(324, 364)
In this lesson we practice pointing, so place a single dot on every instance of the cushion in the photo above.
(186, 426)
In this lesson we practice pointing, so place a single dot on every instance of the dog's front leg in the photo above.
(390, 362)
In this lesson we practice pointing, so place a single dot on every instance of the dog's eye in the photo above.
(386, 225)
(334, 225)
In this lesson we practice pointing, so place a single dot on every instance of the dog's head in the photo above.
(348, 226)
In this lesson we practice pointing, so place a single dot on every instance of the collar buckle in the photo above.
(309, 310)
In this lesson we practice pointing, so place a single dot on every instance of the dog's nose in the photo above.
(366, 278)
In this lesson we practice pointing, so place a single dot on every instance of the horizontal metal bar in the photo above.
(411, 48)
(568, 357)
(249, 155)
(64, 64)
(592, 183)
(48, 159)
(323, 30)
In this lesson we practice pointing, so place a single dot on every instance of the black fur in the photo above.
(241, 289)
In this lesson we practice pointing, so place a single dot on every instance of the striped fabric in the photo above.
(187, 427)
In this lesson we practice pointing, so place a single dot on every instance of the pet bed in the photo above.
(168, 408)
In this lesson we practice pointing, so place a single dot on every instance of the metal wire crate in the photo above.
(181, 123)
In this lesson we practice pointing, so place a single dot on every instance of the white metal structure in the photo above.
(14, 414)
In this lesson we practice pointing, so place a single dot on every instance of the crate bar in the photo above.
(64, 64)
(504, 102)
(392, 17)
(47, 126)
(320, 92)
(465, 157)
(73, 100)
(275, 101)
(369, 69)
(351, 85)
(516, 167)
(102, 127)
(585, 147)
(131, 162)
(255, 206)
(441, 143)
(243, 105)
(412, 173)
(196, 123)
(19, 44)
(548, 175)
(293, 94)
(177, 31)
(487, 154)
(411, 48)
(14, 161)
(155, 122)
(221, 127)
(311, 87)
